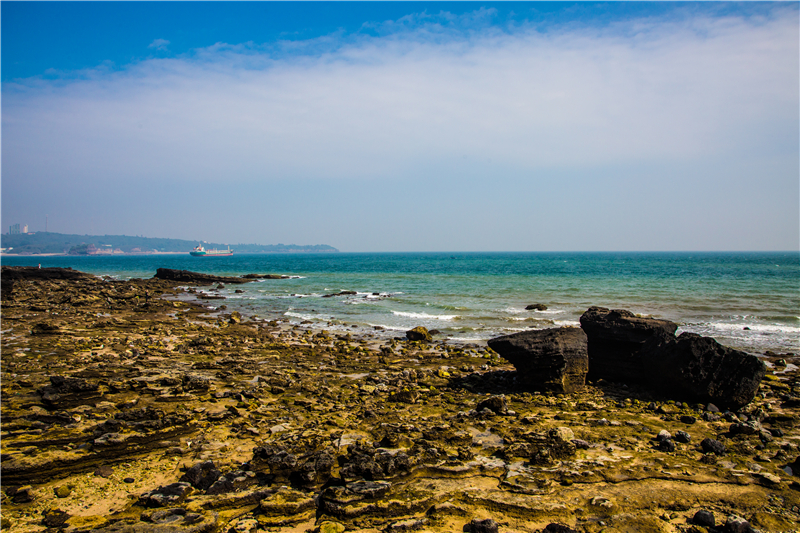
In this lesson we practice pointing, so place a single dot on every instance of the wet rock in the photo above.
(536, 307)
(483, 526)
(551, 359)
(614, 341)
(167, 495)
(419, 333)
(682, 437)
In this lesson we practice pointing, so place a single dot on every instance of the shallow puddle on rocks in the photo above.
(486, 439)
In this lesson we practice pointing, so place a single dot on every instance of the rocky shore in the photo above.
(128, 408)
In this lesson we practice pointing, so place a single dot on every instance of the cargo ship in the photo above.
(199, 251)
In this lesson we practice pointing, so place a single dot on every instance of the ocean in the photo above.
(749, 301)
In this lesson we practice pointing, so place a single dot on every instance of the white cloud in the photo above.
(381, 107)
(159, 44)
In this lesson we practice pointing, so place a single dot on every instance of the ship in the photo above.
(199, 251)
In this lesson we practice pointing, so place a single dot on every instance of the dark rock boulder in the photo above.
(202, 475)
(187, 276)
(536, 307)
(419, 333)
(700, 369)
(615, 340)
(553, 359)
(496, 404)
(483, 526)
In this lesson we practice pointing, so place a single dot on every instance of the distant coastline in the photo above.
(49, 243)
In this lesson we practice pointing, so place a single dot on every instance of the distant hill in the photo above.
(58, 243)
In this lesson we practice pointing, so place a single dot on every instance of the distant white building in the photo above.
(25, 228)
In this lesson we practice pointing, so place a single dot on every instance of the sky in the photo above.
(406, 126)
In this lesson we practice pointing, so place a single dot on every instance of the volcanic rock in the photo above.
(701, 369)
(615, 339)
(553, 359)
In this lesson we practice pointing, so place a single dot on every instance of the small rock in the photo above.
(600, 501)
(330, 527)
(683, 437)
(737, 524)
(104, 471)
(21, 495)
(536, 307)
(128, 480)
(688, 419)
(663, 435)
(55, 518)
(769, 479)
(704, 518)
(667, 445)
(63, 491)
(558, 528)
(711, 408)
(712, 446)
(483, 526)
(497, 404)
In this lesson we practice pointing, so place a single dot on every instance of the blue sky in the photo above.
(406, 125)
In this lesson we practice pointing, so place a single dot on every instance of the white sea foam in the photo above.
(424, 316)
(386, 327)
(731, 327)
(573, 323)
(302, 316)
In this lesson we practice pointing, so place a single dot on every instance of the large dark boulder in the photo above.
(700, 369)
(615, 340)
(551, 359)
(187, 276)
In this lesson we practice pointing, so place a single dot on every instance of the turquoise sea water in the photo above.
(750, 301)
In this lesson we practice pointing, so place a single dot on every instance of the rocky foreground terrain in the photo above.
(130, 406)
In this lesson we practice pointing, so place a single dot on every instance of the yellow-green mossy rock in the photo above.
(419, 333)
(330, 527)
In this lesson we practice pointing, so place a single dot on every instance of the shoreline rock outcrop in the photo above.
(551, 359)
(700, 369)
(615, 339)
